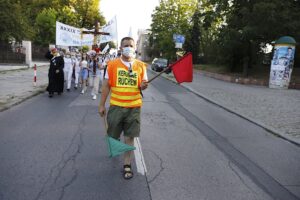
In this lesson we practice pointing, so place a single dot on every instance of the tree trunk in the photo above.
(245, 66)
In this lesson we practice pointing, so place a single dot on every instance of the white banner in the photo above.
(111, 28)
(70, 36)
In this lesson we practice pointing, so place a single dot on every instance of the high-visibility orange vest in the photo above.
(125, 89)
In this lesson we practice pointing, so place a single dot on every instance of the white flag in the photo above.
(130, 32)
(105, 49)
(111, 28)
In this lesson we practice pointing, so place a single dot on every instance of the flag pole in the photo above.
(160, 73)
(174, 65)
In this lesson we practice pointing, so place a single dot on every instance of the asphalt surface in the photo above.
(274, 110)
(193, 149)
(55, 149)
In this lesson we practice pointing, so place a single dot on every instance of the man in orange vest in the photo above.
(125, 78)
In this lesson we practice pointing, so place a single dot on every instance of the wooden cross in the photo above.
(96, 32)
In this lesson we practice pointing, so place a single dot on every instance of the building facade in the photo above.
(143, 46)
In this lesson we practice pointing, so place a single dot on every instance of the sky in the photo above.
(131, 14)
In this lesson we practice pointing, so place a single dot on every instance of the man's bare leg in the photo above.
(127, 159)
(128, 154)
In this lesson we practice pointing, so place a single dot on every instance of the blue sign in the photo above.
(178, 38)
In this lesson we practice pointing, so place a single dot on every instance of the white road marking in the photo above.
(139, 158)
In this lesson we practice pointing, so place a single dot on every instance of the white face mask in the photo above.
(128, 52)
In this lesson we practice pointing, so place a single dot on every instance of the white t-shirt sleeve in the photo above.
(106, 74)
(145, 78)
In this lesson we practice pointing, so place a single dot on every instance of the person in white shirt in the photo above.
(77, 60)
(68, 69)
(84, 72)
(95, 68)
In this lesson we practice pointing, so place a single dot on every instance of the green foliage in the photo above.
(35, 19)
(85, 49)
(67, 15)
(170, 17)
(88, 12)
(193, 38)
(249, 26)
(45, 26)
(232, 32)
(13, 22)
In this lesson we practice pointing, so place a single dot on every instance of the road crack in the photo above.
(161, 167)
(55, 180)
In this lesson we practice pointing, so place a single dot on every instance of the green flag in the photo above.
(115, 147)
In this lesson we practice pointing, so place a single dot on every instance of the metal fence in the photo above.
(39, 52)
(12, 53)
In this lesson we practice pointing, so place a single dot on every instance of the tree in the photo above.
(35, 19)
(248, 26)
(88, 12)
(170, 17)
(13, 25)
(45, 26)
(193, 37)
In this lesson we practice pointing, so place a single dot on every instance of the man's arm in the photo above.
(144, 84)
(101, 66)
(48, 55)
(105, 89)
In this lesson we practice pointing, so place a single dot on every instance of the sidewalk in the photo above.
(16, 83)
(9, 67)
(278, 111)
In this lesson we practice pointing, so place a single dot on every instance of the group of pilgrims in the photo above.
(81, 69)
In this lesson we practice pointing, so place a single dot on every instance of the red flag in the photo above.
(183, 69)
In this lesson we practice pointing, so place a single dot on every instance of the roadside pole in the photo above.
(34, 77)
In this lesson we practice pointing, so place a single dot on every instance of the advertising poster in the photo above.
(281, 66)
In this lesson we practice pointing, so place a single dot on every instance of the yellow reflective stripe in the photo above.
(138, 96)
(119, 89)
(126, 104)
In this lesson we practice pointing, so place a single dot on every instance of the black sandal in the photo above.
(127, 173)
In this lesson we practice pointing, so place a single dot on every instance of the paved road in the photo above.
(54, 149)
(272, 109)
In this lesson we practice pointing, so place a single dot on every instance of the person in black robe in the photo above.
(56, 73)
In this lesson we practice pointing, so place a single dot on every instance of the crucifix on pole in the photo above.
(96, 32)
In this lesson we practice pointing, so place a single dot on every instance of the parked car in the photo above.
(159, 64)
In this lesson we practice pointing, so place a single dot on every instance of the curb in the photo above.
(38, 90)
(16, 68)
(233, 79)
(260, 124)
(4, 68)
(241, 80)
(41, 90)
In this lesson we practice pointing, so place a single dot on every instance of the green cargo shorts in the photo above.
(123, 119)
